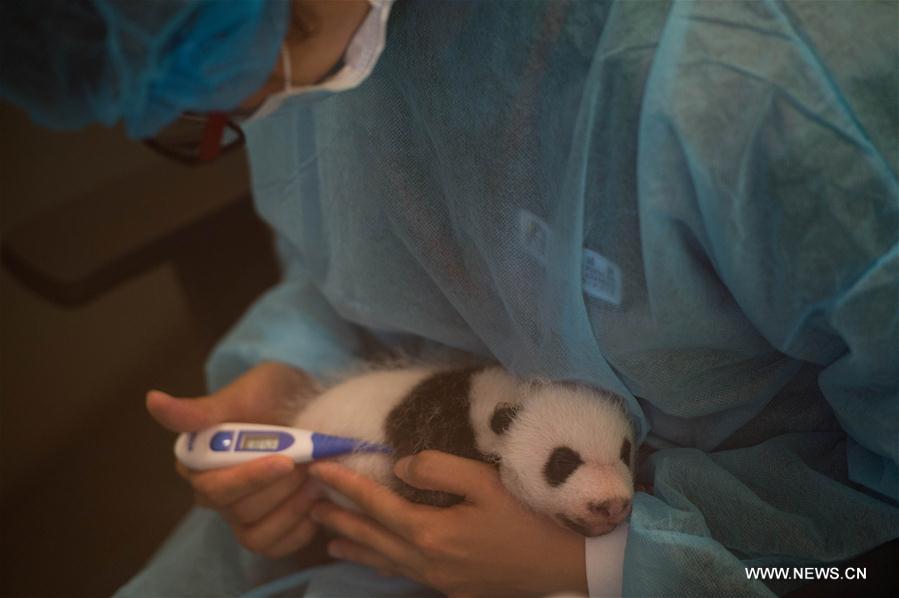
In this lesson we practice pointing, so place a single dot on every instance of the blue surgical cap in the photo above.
(70, 63)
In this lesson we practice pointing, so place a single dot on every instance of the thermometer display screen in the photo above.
(258, 442)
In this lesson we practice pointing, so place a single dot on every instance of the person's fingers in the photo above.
(348, 550)
(223, 487)
(183, 470)
(297, 538)
(366, 532)
(382, 504)
(435, 470)
(279, 528)
(255, 506)
(202, 501)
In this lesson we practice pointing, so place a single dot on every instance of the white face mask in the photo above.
(359, 61)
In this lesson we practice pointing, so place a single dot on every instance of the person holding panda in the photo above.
(693, 204)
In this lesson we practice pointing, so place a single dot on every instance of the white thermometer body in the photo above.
(234, 443)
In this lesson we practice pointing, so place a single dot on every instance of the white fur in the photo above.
(591, 422)
(357, 408)
(490, 388)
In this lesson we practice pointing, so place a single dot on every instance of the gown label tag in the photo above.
(601, 278)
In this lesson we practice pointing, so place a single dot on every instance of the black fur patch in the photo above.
(503, 416)
(435, 415)
(626, 452)
(561, 464)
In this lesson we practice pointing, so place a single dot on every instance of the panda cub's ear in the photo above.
(503, 416)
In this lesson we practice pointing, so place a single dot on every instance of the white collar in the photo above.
(363, 51)
(359, 61)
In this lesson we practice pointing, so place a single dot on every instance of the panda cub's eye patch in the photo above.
(561, 464)
(626, 452)
(503, 416)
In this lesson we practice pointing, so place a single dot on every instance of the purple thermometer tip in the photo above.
(325, 445)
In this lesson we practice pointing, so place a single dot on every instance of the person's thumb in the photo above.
(187, 415)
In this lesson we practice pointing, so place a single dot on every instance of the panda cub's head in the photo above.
(566, 450)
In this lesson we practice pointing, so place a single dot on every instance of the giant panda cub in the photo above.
(564, 449)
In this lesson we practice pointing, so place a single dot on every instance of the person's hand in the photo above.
(488, 545)
(266, 501)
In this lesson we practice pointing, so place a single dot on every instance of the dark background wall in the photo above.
(149, 264)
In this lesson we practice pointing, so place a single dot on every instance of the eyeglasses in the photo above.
(196, 139)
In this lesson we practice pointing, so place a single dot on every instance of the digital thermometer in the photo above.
(231, 444)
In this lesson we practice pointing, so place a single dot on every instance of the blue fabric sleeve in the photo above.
(798, 199)
(773, 160)
(292, 323)
(800, 205)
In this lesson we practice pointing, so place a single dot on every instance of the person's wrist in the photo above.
(576, 579)
(567, 566)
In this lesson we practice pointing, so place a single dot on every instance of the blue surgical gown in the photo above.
(694, 204)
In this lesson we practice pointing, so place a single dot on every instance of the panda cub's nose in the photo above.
(614, 509)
